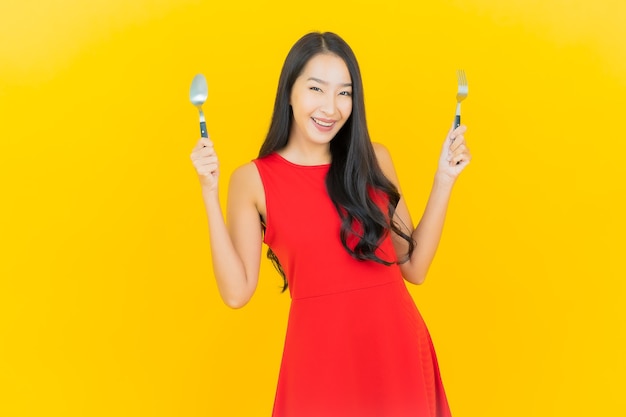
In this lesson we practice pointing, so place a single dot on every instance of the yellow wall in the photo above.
(107, 302)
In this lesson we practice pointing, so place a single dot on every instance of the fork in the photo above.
(461, 94)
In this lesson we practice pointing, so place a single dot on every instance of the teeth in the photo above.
(319, 122)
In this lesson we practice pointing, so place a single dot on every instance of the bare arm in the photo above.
(236, 248)
(428, 232)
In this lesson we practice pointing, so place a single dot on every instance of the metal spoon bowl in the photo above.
(198, 93)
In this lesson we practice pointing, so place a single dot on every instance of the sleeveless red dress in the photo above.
(356, 345)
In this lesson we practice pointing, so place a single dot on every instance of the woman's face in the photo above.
(321, 99)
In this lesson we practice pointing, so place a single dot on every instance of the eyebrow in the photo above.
(326, 83)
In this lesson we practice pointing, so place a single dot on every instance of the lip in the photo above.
(316, 122)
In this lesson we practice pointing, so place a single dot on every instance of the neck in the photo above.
(306, 153)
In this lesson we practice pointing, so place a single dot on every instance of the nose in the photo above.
(328, 105)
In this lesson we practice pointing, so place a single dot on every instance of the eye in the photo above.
(315, 89)
(346, 93)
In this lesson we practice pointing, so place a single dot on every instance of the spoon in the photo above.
(198, 94)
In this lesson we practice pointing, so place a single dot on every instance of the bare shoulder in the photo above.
(384, 161)
(246, 178)
(246, 186)
(246, 173)
(379, 148)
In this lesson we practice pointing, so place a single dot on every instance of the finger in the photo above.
(459, 142)
(457, 160)
(206, 151)
(203, 142)
(458, 146)
(206, 141)
(211, 159)
(203, 163)
(198, 145)
(458, 132)
(452, 137)
(460, 165)
(207, 170)
(461, 158)
(203, 152)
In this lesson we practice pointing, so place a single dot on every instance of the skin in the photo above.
(321, 103)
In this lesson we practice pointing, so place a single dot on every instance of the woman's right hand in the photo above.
(206, 163)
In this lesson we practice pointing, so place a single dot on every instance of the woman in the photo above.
(327, 203)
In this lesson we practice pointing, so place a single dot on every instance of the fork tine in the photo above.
(461, 94)
(461, 77)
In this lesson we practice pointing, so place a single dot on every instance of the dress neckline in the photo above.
(288, 162)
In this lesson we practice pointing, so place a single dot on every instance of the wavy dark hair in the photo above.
(354, 172)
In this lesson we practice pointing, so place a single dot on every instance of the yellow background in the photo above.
(108, 306)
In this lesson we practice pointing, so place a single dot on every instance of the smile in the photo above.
(321, 123)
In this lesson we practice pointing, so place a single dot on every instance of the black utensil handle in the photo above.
(457, 123)
(203, 130)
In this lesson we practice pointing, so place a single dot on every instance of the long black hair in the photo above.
(354, 173)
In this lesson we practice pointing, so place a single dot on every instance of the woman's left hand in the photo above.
(455, 155)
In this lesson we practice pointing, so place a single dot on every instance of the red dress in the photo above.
(356, 345)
